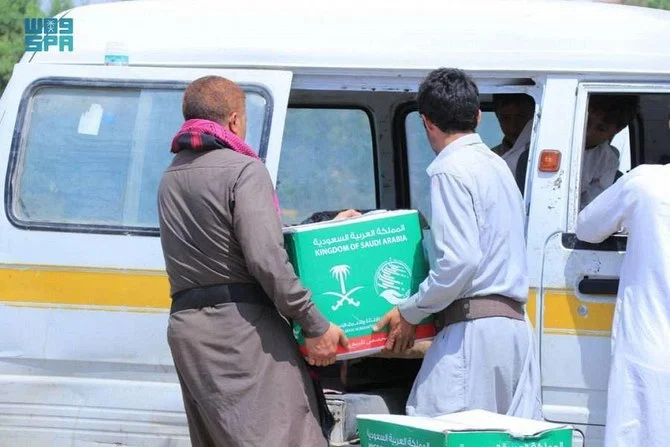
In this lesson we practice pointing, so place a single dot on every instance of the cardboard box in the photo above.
(475, 428)
(358, 269)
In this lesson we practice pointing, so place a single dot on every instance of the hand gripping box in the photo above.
(358, 269)
(476, 428)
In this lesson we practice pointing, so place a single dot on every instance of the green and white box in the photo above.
(475, 428)
(358, 269)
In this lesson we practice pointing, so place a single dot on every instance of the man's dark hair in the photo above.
(504, 99)
(449, 99)
(618, 110)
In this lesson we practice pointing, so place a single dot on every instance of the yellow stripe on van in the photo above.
(46, 287)
(565, 314)
(148, 291)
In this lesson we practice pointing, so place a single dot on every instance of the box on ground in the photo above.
(475, 428)
(358, 269)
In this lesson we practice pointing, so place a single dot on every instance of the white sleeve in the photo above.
(605, 215)
(456, 237)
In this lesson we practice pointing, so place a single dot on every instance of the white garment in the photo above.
(477, 228)
(521, 144)
(599, 167)
(638, 411)
(467, 368)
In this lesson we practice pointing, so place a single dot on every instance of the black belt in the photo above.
(466, 309)
(210, 296)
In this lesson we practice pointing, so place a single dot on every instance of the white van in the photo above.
(330, 95)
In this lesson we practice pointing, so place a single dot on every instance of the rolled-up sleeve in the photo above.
(604, 216)
(258, 230)
(455, 233)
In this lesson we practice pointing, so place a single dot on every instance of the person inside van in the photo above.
(484, 357)
(515, 116)
(513, 111)
(607, 116)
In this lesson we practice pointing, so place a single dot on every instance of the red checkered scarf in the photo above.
(197, 134)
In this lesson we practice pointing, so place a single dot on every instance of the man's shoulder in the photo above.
(608, 154)
(643, 174)
(467, 164)
(230, 161)
(229, 158)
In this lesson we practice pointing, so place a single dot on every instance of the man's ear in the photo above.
(234, 123)
(479, 117)
(428, 124)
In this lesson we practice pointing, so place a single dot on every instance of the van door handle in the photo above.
(591, 286)
(613, 243)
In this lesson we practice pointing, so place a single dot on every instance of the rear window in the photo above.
(91, 157)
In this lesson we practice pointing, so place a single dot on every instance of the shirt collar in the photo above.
(467, 140)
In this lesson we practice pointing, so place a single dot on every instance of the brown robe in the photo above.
(243, 380)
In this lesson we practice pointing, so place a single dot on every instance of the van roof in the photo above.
(304, 35)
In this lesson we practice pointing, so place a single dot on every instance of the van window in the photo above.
(642, 137)
(420, 155)
(93, 157)
(327, 162)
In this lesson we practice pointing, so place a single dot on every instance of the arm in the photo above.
(456, 236)
(604, 216)
(257, 227)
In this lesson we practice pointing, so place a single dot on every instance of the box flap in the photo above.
(370, 216)
(480, 420)
(429, 424)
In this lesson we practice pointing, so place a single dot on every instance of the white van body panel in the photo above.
(80, 362)
(83, 356)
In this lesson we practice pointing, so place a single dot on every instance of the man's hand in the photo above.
(347, 214)
(321, 350)
(401, 333)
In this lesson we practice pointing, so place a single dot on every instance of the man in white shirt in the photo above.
(515, 115)
(521, 145)
(608, 115)
(484, 357)
(638, 400)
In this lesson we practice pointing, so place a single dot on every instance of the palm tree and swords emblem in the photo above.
(392, 282)
(341, 272)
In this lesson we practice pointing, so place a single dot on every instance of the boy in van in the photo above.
(608, 115)
(515, 115)
(513, 112)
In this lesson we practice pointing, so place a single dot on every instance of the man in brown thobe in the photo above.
(243, 380)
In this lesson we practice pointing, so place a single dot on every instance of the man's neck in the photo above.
(448, 139)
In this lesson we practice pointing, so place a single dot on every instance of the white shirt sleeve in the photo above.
(455, 233)
(604, 216)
